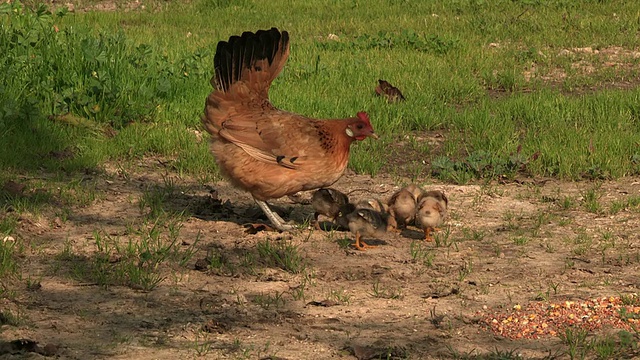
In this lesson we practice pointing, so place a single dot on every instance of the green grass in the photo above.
(140, 260)
(127, 84)
(281, 254)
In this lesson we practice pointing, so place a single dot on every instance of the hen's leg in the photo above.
(275, 219)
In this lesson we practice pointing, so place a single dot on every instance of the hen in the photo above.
(263, 150)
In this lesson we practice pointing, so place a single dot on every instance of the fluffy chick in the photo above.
(416, 190)
(432, 211)
(368, 223)
(402, 207)
(381, 207)
(373, 204)
(330, 203)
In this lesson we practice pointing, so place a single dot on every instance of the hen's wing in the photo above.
(239, 110)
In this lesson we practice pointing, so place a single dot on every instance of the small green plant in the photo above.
(11, 318)
(344, 242)
(630, 299)
(577, 341)
(202, 344)
(299, 292)
(473, 234)
(567, 203)
(283, 254)
(591, 200)
(421, 254)
(341, 296)
(266, 301)
(520, 240)
(9, 250)
(444, 239)
(378, 291)
(465, 270)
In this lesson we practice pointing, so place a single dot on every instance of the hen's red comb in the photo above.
(364, 117)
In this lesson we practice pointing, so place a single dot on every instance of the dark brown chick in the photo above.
(330, 203)
(368, 223)
(432, 211)
(389, 91)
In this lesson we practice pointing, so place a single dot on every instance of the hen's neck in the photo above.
(335, 141)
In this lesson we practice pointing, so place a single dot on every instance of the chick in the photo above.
(402, 206)
(392, 93)
(381, 207)
(366, 222)
(330, 203)
(416, 190)
(432, 211)
(373, 204)
(439, 195)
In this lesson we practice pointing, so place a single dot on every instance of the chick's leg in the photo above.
(361, 245)
(275, 219)
(316, 223)
(427, 234)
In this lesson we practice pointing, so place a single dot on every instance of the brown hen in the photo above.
(266, 151)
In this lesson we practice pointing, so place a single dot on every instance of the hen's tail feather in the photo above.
(254, 58)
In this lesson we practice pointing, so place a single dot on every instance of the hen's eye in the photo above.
(360, 126)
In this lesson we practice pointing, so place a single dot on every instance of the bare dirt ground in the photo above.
(504, 245)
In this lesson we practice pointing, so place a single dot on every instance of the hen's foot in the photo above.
(275, 219)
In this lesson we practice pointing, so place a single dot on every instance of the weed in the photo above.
(567, 203)
(577, 341)
(465, 270)
(11, 318)
(591, 200)
(9, 250)
(473, 234)
(421, 254)
(520, 240)
(377, 291)
(341, 296)
(444, 239)
(201, 343)
(630, 299)
(344, 243)
(266, 301)
(283, 255)
(298, 292)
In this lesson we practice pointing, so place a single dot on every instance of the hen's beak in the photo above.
(374, 135)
